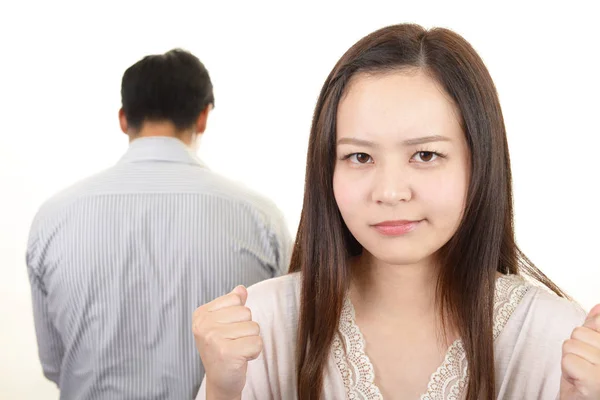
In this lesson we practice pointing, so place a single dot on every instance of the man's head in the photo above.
(169, 94)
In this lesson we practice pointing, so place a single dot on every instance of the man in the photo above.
(119, 262)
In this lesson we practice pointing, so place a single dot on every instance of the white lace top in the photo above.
(530, 324)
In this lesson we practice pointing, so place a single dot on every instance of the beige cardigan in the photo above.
(530, 324)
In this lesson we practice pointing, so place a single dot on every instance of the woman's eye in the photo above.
(425, 156)
(360, 158)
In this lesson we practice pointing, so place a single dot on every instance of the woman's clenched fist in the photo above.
(226, 338)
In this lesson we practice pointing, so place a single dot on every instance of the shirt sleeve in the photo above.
(50, 346)
(282, 244)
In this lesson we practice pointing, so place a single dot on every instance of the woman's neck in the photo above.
(397, 288)
(398, 297)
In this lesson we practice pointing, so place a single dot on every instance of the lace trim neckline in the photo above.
(451, 377)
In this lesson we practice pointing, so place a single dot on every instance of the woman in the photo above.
(405, 280)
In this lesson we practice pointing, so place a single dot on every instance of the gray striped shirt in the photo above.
(119, 261)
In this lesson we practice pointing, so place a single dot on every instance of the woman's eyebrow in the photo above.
(407, 142)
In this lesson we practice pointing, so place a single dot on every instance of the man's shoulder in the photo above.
(242, 198)
(203, 182)
(116, 182)
(65, 197)
(241, 193)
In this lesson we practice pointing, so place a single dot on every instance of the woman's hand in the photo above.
(226, 338)
(581, 361)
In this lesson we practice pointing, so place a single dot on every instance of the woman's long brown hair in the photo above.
(484, 242)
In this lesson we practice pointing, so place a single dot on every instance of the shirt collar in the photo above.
(160, 148)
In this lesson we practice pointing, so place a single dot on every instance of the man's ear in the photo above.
(123, 122)
(203, 119)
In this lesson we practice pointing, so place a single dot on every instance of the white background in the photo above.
(60, 70)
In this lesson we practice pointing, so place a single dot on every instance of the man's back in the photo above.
(119, 262)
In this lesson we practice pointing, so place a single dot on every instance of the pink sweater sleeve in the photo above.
(274, 305)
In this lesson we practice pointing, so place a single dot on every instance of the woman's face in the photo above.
(402, 165)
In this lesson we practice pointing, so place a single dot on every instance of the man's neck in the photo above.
(163, 129)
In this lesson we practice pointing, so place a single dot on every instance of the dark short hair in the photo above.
(174, 86)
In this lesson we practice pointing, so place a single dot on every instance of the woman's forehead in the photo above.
(399, 103)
